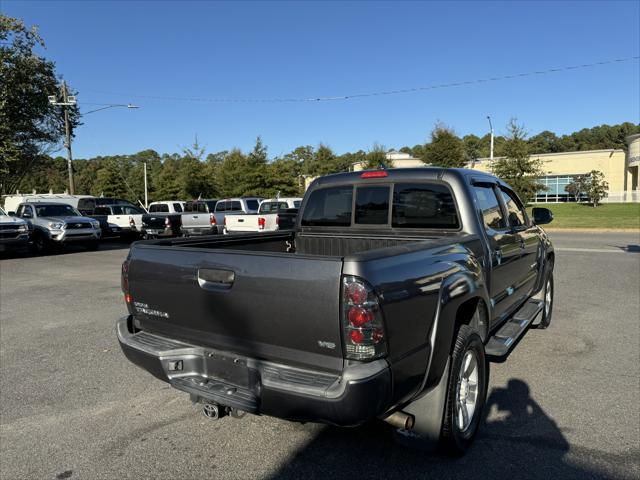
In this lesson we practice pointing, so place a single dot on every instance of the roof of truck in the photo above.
(431, 173)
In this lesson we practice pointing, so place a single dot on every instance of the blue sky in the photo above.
(117, 52)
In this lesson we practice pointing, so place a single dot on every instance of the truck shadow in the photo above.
(517, 440)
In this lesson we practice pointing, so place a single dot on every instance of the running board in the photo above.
(504, 340)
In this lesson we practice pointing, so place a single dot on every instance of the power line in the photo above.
(375, 94)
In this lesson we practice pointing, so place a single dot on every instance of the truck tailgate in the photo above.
(271, 306)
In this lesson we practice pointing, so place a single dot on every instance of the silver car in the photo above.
(58, 224)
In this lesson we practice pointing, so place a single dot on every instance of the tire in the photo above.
(547, 309)
(41, 244)
(458, 429)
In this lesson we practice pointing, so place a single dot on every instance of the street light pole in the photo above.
(491, 147)
(67, 101)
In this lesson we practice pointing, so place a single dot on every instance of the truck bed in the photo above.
(250, 294)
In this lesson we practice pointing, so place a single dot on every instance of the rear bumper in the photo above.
(359, 393)
(196, 231)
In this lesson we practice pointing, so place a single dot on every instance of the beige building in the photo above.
(620, 169)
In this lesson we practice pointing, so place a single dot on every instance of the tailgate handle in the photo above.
(215, 278)
(240, 220)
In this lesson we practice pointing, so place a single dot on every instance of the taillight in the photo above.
(362, 324)
(261, 223)
(212, 219)
(124, 282)
(132, 222)
(167, 222)
(277, 220)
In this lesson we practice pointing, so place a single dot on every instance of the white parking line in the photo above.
(592, 250)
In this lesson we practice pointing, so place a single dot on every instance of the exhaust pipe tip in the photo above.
(401, 420)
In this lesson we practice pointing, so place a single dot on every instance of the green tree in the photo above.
(544, 142)
(109, 179)
(577, 187)
(29, 126)
(284, 176)
(597, 187)
(517, 167)
(472, 145)
(445, 150)
(377, 157)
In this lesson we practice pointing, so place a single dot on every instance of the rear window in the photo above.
(221, 207)
(176, 207)
(372, 205)
(253, 204)
(272, 207)
(161, 207)
(297, 203)
(329, 207)
(422, 205)
(234, 206)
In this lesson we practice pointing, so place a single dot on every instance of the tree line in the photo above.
(193, 173)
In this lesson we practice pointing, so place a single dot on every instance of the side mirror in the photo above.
(11, 214)
(26, 215)
(542, 216)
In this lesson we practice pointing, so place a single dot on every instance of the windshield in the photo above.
(57, 211)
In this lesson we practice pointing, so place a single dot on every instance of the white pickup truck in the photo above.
(266, 219)
(126, 216)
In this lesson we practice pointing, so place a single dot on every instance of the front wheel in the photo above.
(466, 391)
(547, 309)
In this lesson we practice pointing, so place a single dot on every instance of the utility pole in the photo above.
(146, 200)
(491, 147)
(67, 101)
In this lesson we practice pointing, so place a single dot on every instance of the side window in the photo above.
(423, 205)
(488, 203)
(515, 211)
(27, 210)
(20, 210)
(177, 207)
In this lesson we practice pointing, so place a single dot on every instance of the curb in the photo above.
(593, 230)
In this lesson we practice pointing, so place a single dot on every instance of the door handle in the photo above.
(497, 253)
(215, 279)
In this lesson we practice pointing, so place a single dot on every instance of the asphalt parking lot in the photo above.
(565, 404)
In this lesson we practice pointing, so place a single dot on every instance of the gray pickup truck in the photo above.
(388, 300)
(58, 224)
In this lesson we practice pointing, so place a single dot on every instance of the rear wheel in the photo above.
(466, 391)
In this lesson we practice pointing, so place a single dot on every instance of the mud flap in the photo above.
(428, 412)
